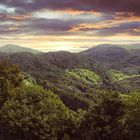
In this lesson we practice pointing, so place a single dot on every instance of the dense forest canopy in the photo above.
(91, 95)
(84, 104)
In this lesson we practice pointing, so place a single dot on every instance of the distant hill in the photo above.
(113, 56)
(107, 53)
(9, 48)
(51, 60)
(64, 72)
(131, 47)
(63, 59)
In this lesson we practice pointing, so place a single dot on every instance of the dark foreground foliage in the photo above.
(29, 112)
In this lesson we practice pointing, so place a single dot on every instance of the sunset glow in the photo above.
(64, 25)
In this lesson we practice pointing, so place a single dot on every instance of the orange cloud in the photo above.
(137, 30)
(14, 17)
(19, 17)
(88, 26)
(118, 19)
(77, 12)
(126, 17)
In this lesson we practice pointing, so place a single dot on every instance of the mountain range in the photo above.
(112, 56)
(73, 75)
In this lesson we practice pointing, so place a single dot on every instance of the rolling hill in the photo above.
(113, 56)
(69, 71)
(131, 47)
(107, 53)
(9, 48)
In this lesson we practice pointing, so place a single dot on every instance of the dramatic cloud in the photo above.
(6, 17)
(83, 20)
(78, 5)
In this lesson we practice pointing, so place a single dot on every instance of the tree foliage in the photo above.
(34, 113)
(9, 78)
(103, 121)
(31, 112)
(133, 116)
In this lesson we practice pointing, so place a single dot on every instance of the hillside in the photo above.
(77, 79)
(113, 56)
(107, 53)
(10, 48)
(62, 106)
(131, 47)
(69, 71)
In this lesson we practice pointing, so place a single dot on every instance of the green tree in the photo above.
(33, 113)
(11, 73)
(104, 120)
(133, 116)
(9, 78)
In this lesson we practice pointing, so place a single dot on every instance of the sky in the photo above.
(71, 25)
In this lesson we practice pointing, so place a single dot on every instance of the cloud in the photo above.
(71, 27)
(109, 28)
(70, 18)
(131, 28)
(126, 6)
(38, 26)
(12, 17)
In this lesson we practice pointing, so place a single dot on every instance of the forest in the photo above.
(80, 106)
(91, 95)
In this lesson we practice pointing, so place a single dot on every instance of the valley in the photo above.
(69, 84)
